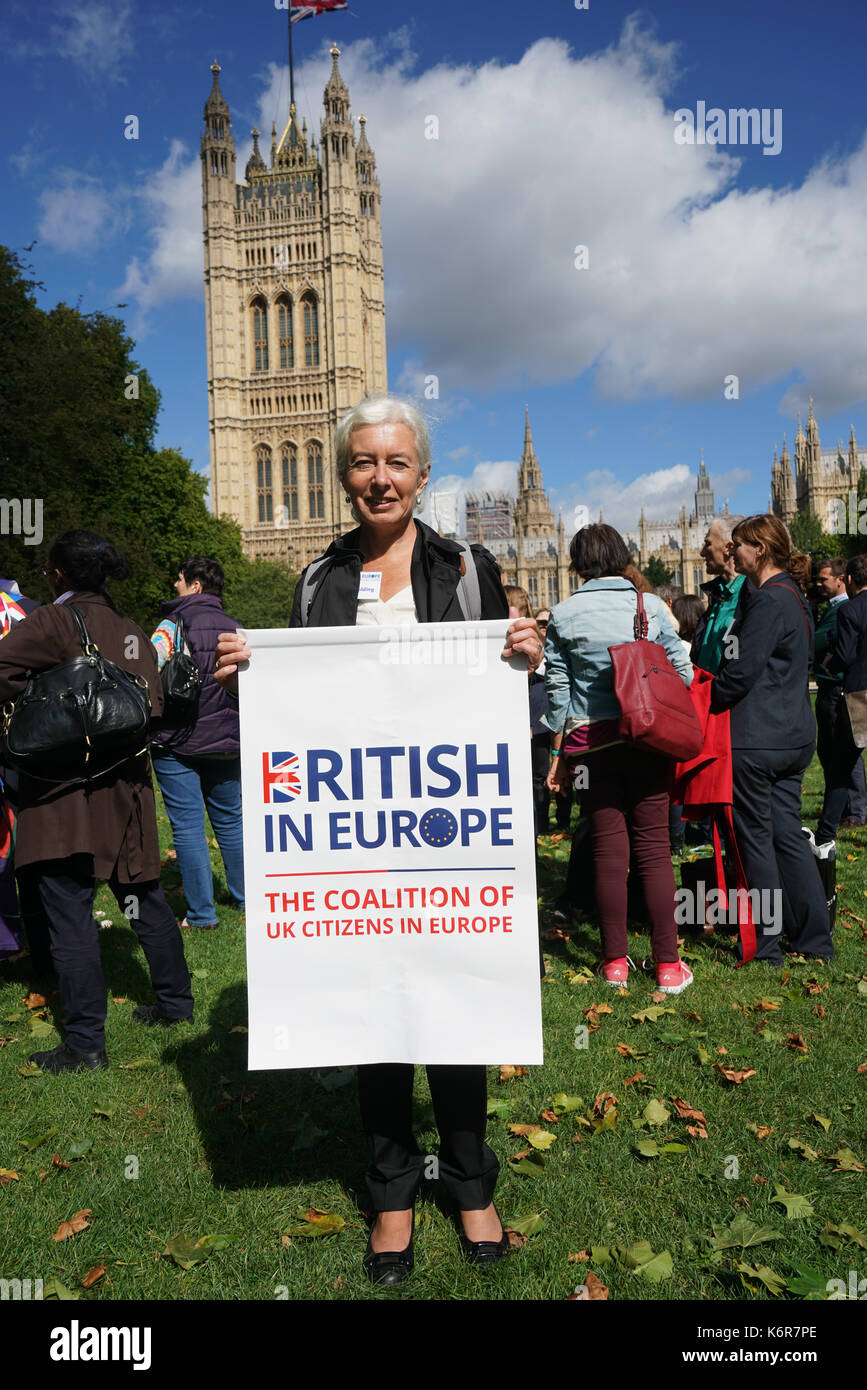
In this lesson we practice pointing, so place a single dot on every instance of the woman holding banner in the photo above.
(393, 570)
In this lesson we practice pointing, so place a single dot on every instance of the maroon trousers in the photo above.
(627, 801)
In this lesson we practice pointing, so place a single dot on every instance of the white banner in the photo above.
(389, 848)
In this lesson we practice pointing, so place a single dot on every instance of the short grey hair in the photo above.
(726, 523)
(382, 410)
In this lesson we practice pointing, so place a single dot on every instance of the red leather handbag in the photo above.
(656, 712)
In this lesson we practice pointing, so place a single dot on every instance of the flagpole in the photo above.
(291, 63)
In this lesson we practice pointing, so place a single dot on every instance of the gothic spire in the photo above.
(216, 105)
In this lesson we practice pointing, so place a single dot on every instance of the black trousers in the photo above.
(540, 762)
(841, 763)
(66, 888)
(466, 1165)
(776, 854)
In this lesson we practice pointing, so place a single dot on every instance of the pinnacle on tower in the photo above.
(528, 436)
(255, 161)
(216, 105)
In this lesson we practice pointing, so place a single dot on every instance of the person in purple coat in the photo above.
(198, 765)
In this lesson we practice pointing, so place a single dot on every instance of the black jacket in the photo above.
(850, 645)
(765, 681)
(435, 570)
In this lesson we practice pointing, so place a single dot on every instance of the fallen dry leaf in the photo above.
(639, 1076)
(554, 934)
(763, 1131)
(847, 912)
(523, 1153)
(4, 1041)
(515, 1238)
(523, 1129)
(736, 1077)
(862, 1066)
(813, 987)
(70, 1228)
(658, 997)
(818, 1011)
(604, 1102)
(93, 1276)
(580, 1257)
(38, 1001)
(596, 1290)
(759, 1179)
(7, 1175)
(796, 1042)
(118, 1000)
(285, 1241)
(577, 1138)
(742, 1201)
(58, 1162)
(695, 1018)
(550, 1117)
(697, 1131)
(508, 1073)
(723, 1051)
(338, 1282)
(687, 1111)
(767, 1004)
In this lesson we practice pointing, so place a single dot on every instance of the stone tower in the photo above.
(704, 511)
(295, 319)
(533, 515)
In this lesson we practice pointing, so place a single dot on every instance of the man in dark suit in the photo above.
(848, 655)
(834, 745)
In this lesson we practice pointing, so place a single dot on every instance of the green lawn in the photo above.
(223, 1152)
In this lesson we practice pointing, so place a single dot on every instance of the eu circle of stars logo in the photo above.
(438, 828)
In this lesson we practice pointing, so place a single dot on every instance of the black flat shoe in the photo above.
(64, 1058)
(151, 1015)
(389, 1266)
(484, 1252)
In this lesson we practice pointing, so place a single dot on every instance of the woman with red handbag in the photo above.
(625, 778)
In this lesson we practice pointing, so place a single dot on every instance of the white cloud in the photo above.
(169, 265)
(661, 493)
(97, 37)
(690, 279)
(79, 216)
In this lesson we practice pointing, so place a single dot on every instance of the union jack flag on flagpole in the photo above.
(300, 9)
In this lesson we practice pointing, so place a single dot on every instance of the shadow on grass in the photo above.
(272, 1128)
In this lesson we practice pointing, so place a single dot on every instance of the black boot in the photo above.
(65, 1058)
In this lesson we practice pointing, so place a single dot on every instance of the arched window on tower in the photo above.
(290, 481)
(315, 492)
(311, 330)
(284, 333)
(263, 483)
(260, 335)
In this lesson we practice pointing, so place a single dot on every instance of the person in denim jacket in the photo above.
(623, 783)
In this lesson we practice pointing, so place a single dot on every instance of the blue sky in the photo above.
(556, 129)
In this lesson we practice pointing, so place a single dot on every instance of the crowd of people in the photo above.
(748, 642)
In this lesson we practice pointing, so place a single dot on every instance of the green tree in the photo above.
(79, 420)
(657, 572)
(261, 596)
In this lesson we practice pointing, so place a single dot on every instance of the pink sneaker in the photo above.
(673, 978)
(615, 972)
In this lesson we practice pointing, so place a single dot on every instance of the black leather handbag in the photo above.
(182, 681)
(78, 720)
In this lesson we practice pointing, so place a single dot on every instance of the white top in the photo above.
(398, 611)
